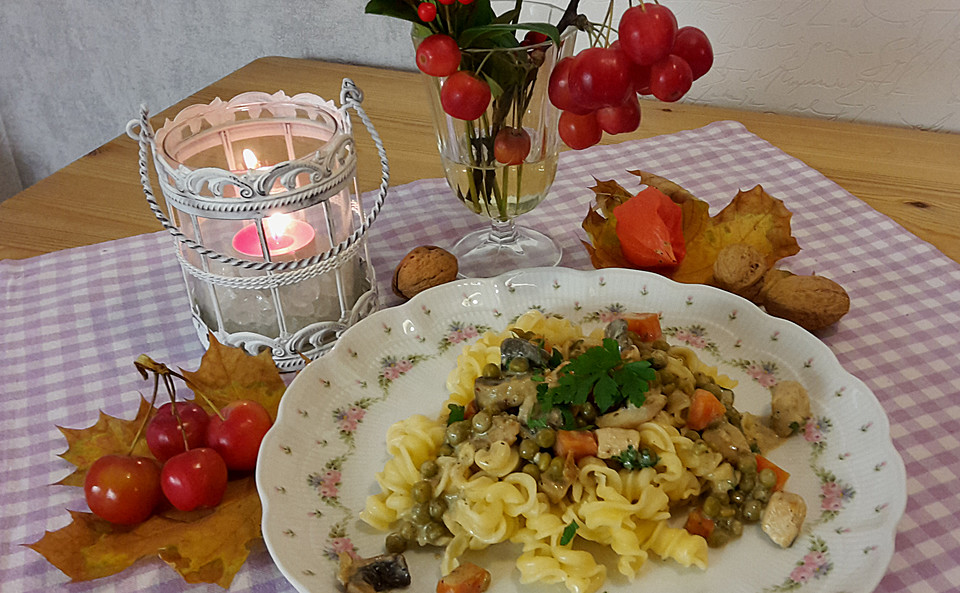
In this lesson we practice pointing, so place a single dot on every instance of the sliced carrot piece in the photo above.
(705, 409)
(466, 578)
(699, 524)
(782, 474)
(645, 325)
(577, 443)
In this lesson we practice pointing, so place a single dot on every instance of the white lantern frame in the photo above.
(200, 192)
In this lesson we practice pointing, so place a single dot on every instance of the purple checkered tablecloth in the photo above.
(74, 321)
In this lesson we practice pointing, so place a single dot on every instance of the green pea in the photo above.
(458, 432)
(491, 370)
(747, 482)
(482, 422)
(737, 497)
(718, 538)
(437, 507)
(528, 449)
(543, 461)
(531, 469)
(519, 365)
(760, 493)
(408, 531)
(429, 469)
(736, 528)
(546, 438)
(752, 510)
(420, 514)
(555, 471)
(396, 543)
(421, 491)
(711, 507)
(589, 412)
(767, 477)
(747, 464)
(435, 533)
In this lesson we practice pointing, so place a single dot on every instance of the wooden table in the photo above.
(911, 176)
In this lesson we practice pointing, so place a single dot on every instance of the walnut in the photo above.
(424, 267)
(739, 268)
(812, 302)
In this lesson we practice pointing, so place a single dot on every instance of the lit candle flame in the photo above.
(276, 225)
(250, 159)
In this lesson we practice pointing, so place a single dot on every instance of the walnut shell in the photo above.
(424, 267)
(739, 268)
(812, 302)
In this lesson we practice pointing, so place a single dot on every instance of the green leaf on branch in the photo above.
(393, 8)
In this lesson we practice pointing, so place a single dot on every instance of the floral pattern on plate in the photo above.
(321, 457)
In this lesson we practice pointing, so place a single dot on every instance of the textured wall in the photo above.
(74, 71)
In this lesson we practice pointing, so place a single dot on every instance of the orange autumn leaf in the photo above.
(753, 218)
(206, 546)
(227, 374)
(601, 226)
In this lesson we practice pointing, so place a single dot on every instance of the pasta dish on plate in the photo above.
(561, 441)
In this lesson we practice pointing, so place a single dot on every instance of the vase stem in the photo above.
(503, 232)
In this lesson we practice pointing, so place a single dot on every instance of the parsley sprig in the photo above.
(632, 459)
(599, 372)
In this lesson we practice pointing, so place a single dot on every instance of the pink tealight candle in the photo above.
(284, 234)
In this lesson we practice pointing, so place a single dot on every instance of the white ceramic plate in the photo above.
(318, 462)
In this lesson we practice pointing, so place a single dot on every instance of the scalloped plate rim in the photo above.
(897, 504)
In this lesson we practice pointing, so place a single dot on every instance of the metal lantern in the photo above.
(262, 200)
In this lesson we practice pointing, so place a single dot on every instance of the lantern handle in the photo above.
(350, 97)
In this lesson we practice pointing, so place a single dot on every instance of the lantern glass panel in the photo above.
(271, 180)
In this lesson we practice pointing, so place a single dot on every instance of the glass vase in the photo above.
(493, 189)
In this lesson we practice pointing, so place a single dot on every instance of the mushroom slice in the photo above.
(632, 417)
(369, 575)
(617, 330)
(514, 348)
(783, 517)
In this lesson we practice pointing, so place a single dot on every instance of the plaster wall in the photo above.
(73, 72)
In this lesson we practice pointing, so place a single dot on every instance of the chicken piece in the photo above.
(727, 439)
(758, 433)
(500, 393)
(783, 517)
(611, 442)
(790, 406)
(502, 428)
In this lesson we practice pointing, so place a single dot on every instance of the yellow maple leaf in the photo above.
(208, 545)
(753, 218)
(227, 374)
(108, 435)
